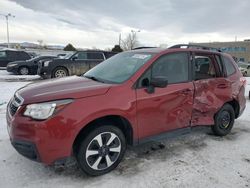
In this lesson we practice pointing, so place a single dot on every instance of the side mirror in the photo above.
(74, 58)
(160, 82)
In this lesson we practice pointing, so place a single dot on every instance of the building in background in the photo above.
(238, 49)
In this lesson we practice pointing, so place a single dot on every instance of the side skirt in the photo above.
(168, 135)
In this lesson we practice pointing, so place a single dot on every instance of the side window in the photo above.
(3, 55)
(12, 55)
(19, 56)
(25, 55)
(229, 66)
(81, 56)
(204, 67)
(95, 56)
(172, 66)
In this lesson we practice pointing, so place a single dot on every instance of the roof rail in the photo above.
(195, 47)
(143, 47)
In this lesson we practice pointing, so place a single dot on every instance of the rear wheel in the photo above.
(101, 150)
(224, 120)
(245, 74)
(59, 72)
(23, 70)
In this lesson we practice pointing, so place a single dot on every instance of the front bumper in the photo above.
(44, 72)
(43, 141)
(27, 149)
(12, 69)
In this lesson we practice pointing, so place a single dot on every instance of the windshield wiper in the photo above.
(94, 78)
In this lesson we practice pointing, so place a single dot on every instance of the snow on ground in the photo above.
(7, 76)
(195, 160)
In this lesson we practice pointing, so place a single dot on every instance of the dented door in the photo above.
(209, 97)
(212, 89)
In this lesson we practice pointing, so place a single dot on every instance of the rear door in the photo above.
(212, 88)
(166, 108)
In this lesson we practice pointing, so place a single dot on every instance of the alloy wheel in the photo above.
(24, 71)
(60, 73)
(103, 151)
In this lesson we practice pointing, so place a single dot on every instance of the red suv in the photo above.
(133, 97)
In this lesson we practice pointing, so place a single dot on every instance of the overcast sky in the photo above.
(99, 22)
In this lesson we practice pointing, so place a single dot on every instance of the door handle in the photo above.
(185, 91)
(222, 86)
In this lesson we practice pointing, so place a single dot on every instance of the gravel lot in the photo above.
(195, 160)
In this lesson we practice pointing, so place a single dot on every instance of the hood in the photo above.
(62, 88)
(16, 62)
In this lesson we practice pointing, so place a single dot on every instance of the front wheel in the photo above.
(59, 72)
(101, 150)
(224, 120)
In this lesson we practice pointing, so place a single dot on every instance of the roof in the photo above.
(160, 50)
(149, 50)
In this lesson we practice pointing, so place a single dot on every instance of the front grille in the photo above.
(12, 109)
(14, 104)
(17, 99)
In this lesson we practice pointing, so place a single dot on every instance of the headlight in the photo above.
(12, 65)
(46, 63)
(42, 111)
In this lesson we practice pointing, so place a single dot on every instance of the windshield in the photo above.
(120, 67)
(35, 58)
(67, 56)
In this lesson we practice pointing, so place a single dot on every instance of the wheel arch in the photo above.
(122, 123)
(235, 104)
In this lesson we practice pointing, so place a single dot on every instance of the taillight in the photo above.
(243, 81)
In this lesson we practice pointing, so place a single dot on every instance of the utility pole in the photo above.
(7, 23)
(120, 39)
(133, 37)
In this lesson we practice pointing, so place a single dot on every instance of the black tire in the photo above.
(23, 70)
(245, 74)
(104, 160)
(60, 72)
(224, 120)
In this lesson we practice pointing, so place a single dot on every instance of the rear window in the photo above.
(229, 66)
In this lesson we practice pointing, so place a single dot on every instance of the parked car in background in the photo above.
(131, 98)
(75, 63)
(32, 54)
(244, 68)
(7, 56)
(28, 67)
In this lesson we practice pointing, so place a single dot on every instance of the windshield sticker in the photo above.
(140, 56)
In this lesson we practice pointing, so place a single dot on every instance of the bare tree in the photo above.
(130, 42)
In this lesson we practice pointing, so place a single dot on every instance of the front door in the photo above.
(166, 108)
(80, 63)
